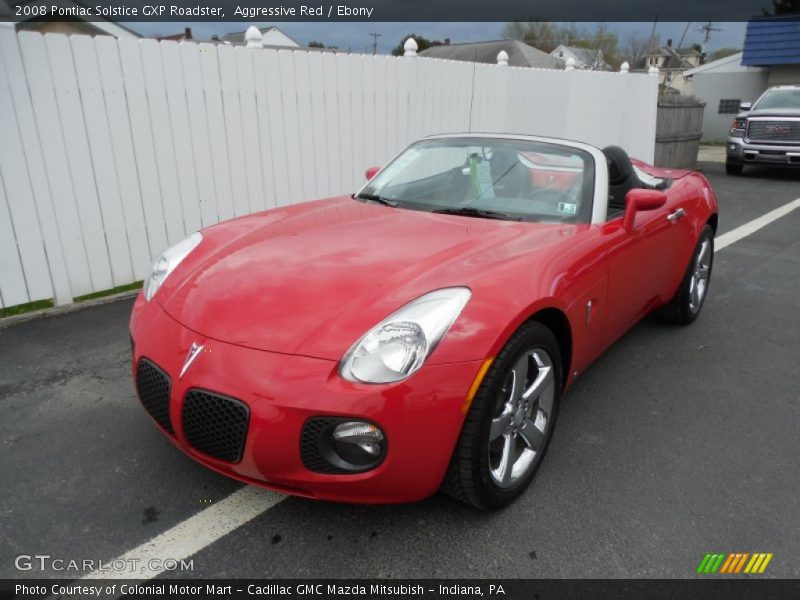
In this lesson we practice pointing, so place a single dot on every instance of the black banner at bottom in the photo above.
(391, 589)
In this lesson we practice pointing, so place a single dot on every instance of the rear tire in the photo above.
(733, 168)
(688, 300)
(508, 427)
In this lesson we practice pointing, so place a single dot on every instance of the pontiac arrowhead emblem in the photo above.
(194, 352)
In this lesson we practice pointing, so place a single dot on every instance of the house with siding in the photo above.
(671, 63)
(723, 85)
(586, 59)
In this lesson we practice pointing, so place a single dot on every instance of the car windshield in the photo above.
(492, 178)
(776, 99)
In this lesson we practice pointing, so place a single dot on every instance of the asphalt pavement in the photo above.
(675, 443)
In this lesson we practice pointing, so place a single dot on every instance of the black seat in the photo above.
(621, 178)
(511, 178)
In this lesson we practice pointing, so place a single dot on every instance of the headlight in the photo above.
(166, 263)
(737, 127)
(399, 345)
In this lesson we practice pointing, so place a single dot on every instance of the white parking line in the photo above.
(193, 534)
(726, 239)
(209, 525)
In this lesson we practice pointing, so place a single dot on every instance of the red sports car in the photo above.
(420, 333)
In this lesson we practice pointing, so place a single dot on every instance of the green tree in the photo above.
(422, 44)
(316, 44)
(722, 53)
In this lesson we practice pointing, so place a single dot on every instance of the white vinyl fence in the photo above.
(113, 149)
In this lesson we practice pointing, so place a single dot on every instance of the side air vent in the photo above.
(153, 386)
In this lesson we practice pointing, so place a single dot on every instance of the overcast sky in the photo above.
(355, 36)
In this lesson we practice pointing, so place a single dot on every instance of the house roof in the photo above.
(727, 64)
(519, 53)
(772, 41)
(238, 36)
(586, 56)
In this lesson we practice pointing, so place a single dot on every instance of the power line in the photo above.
(375, 37)
(707, 29)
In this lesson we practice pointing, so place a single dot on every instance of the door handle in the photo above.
(678, 214)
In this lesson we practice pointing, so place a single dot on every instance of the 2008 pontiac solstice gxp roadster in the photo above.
(419, 334)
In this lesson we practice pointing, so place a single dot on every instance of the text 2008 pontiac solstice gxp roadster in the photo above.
(419, 334)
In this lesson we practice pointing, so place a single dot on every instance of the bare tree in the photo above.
(635, 48)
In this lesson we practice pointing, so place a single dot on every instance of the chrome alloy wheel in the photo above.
(698, 283)
(518, 432)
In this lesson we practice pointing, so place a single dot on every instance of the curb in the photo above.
(56, 311)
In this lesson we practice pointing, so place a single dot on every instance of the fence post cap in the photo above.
(410, 47)
(253, 37)
(652, 71)
(570, 64)
(624, 67)
(502, 58)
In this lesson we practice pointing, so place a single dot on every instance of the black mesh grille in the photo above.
(153, 387)
(215, 425)
(777, 131)
(310, 448)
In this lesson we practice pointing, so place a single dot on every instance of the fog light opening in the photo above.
(358, 443)
(342, 445)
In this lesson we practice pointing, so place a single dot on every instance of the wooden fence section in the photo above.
(113, 149)
(679, 128)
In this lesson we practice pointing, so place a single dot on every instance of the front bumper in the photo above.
(740, 151)
(421, 417)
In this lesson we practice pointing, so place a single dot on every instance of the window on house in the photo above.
(729, 106)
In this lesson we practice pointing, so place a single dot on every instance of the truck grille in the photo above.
(775, 132)
(153, 387)
(215, 425)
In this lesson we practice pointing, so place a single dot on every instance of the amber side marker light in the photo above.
(476, 384)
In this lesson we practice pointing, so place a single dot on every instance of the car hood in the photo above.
(315, 278)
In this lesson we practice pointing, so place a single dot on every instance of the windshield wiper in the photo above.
(378, 199)
(469, 211)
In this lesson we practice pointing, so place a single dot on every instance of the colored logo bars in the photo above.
(735, 562)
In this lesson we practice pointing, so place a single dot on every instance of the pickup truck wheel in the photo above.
(733, 168)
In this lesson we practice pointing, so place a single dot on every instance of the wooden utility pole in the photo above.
(375, 37)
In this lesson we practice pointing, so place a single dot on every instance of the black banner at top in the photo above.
(395, 10)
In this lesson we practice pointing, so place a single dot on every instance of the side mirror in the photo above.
(745, 105)
(371, 172)
(639, 200)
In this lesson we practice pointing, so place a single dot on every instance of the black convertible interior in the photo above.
(622, 178)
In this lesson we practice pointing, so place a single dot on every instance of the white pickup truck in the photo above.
(766, 133)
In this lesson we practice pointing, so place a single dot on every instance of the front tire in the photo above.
(733, 168)
(688, 300)
(508, 427)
